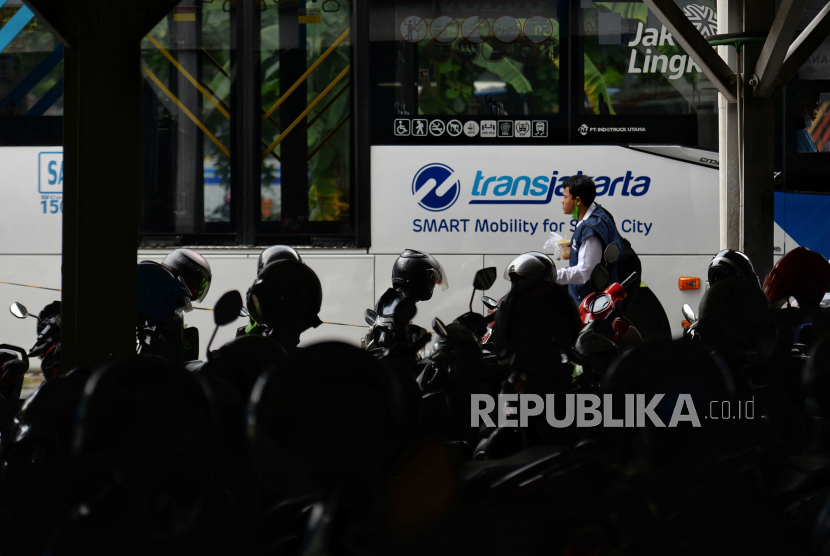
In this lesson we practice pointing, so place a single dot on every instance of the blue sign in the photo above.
(50, 172)
(429, 180)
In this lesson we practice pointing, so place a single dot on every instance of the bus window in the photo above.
(305, 64)
(633, 67)
(465, 60)
(812, 123)
(31, 79)
(185, 119)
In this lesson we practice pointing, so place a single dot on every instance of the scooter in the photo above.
(48, 344)
(458, 367)
(605, 334)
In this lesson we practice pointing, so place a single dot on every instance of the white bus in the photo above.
(445, 126)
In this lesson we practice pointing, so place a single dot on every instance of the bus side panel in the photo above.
(31, 213)
(348, 290)
(501, 200)
(661, 274)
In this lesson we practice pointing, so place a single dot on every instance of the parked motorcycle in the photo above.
(605, 333)
(48, 344)
(160, 329)
(458, 367)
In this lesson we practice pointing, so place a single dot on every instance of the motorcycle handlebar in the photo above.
(628, 281)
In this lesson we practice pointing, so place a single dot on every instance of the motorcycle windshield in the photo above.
(526, 266)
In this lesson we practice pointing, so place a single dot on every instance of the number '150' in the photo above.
(54, 206)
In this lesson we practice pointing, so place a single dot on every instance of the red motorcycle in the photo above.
(606, 306)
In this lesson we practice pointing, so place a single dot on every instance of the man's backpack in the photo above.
(627, 263)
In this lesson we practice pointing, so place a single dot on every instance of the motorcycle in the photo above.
(48, 344)
(458, 367)
(605, 333)
(160, 328)
(390, 324)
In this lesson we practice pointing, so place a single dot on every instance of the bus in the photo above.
(445, 126)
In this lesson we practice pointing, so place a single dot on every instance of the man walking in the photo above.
(594, 232)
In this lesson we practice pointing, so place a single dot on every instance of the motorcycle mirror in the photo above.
(228, 308)
(612, 253)
(600, 277)
(489, 302)
(225, 311)
(405, 311)
(18, 310)
(485, 278)
(371, 317)
(439, 327)
(688, 313)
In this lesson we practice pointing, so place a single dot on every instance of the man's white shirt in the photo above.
(590, 254)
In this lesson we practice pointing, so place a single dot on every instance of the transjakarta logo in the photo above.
(437, 187)
(434, 188)
(526, 190)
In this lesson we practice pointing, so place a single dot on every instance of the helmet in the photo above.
(730, 263)
(195, 270)
(671, 368)
(802, 274)
(277, 253)
(160, 294)
(735, 319)
(286, 291)
(530, 265)
(419, 273)
(534, 320)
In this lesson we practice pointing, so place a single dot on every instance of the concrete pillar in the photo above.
(758, 152)
(746, 211)
(730, 20)
(101, 170)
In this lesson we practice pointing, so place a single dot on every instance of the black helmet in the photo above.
(730, 263)
(535, 265)
(195, 270)
(419, 273)
(287, 293)
(277, 253)
(161, 294)
(735, 318)
(534, 322)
